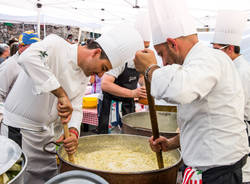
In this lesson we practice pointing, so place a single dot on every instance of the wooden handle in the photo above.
(154, 122)
(66, 133)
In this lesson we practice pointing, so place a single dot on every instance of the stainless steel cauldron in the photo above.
(138, 123)
(96, 142)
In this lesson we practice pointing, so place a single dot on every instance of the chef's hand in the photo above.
(64, 109)
(70, 144)
(160, 144)
(143, 59)
(64, 106)
(139, 92)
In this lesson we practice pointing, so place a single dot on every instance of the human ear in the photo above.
(96, 52)
(231, 48)
(172, 42)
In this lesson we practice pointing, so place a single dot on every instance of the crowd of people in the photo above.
(43, 82)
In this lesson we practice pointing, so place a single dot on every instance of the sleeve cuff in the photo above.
(50, 85)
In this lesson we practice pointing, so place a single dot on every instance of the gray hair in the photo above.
(3, 47)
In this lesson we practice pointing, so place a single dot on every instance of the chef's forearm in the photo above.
(174, 142)
(59, 92)
(117, 90)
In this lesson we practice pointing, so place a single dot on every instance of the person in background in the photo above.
(207, 88)
(70, 39)
(4, 52)
(14, 48)
(120, 84)
(96, 88)
(227, 38)
(12, 40)
(76, 41)
(9, 70)
(51, 85)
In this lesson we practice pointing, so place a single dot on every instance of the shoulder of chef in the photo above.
(200, 53)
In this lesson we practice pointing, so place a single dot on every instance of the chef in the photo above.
(52, 84)
(9, 70)
(207, 88)
(227, 38)
(120, 84)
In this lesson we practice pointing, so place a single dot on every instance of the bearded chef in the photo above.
(227, 38)
(54, 79)
(206, 86)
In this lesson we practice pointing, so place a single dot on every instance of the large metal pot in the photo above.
(11, 152)
(76, 177)
(138, 123)
(96, 142)
(19, 179)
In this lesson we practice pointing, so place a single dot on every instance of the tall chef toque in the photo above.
(170, 19)
(142, 24)
(229, 27)
(120, 44)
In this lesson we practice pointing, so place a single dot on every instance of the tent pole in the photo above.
(44, 28)
(39, 6)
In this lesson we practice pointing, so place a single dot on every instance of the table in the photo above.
(90, 116)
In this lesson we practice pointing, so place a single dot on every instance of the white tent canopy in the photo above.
(46, 20)
(102, 13)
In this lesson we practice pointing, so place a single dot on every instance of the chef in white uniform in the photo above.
(227, 37)
(207, 88)
(55, 76)
(9, 70)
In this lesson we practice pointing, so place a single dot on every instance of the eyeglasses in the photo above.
(222, 47)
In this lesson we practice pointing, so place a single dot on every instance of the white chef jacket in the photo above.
(9, 71)
(48, 65)
(208, 90)
(243, 68)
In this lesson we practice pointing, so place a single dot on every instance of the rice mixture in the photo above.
(121, 159)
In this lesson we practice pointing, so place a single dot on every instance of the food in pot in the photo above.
(121, 159)
(11, 173)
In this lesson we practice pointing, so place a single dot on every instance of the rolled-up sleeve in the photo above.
(36, 63)
(77, 114)
(184, 84)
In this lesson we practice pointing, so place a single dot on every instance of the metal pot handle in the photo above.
(51, 152)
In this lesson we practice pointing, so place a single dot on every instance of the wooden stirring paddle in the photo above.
(154, 122)
(66, 134)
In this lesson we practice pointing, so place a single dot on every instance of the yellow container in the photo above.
(89, 102)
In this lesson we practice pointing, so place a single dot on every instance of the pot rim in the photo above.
(145, 129)
(119, 173)
(22, 170)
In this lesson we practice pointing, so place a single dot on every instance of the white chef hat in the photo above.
(120, 44)
(229, 27)
(170, 19)
(142, 25)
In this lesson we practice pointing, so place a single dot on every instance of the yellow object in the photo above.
(89, 102)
